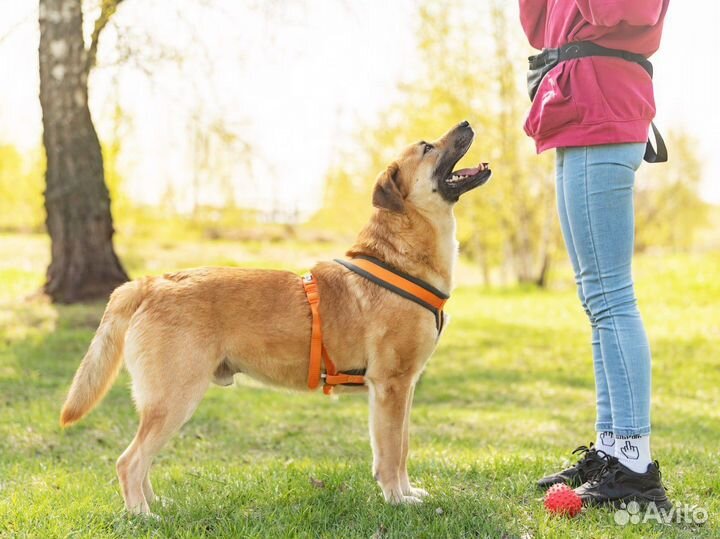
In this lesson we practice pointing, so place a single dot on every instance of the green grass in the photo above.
(507, 395)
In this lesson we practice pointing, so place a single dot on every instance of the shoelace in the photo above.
(657, 465)
(583, 450)
(605, 470)
(589, 453)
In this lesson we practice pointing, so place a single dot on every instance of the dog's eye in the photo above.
(427, 148)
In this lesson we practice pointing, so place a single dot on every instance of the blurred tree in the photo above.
(22, 185)
(21, 190)
(83, 261)
(526, 205)
(345, 203)
(509, 227)
(112, 148)
(218, 152)
(668, 209)
(468, 74)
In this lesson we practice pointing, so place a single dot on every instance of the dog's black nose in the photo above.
(465, 124)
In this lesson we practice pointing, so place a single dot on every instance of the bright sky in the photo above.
(296, 83)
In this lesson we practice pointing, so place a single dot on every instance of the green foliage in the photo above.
(669, 211)
(22, 184)
(21, 189)
(473, 68)
(470, 74)
(506, 397)
(346, 204)
(122, 205)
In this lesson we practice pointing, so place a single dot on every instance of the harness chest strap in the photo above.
(318, 353)
(316, 344)
(376, 271)
(404, 285)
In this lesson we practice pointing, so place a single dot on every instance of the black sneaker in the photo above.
(590, 463)
(615, 484)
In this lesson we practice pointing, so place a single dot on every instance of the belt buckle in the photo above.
(551, 56)
(573, 51)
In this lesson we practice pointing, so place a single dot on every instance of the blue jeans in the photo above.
(595, 203)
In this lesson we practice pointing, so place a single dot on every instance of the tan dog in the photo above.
(181, 331)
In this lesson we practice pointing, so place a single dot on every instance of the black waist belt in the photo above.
(541, 64)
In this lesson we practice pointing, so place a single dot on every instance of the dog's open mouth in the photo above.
(463, 180)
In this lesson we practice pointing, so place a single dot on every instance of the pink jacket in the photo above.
(594, 100)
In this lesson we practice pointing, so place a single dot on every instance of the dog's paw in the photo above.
(416, 492)
(139, 510)
(402, 499)
(142, 512)
(164, 501)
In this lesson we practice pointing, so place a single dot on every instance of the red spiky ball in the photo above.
(560, 499)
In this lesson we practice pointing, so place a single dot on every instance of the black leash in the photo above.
(542, 63)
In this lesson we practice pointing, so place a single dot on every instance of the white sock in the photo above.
(633, 452)
(605, 443)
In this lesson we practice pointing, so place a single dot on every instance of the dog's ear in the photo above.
(387, 193)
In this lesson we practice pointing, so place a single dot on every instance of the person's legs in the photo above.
(598, 196)
(604, 423)
(591, 461)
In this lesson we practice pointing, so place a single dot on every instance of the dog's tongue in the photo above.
(471, 171)
(467, 171)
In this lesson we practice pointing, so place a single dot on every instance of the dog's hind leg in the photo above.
(158, 422)
(132, 466)
(163, 410)
(147, 487)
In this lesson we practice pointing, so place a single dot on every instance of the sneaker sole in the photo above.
(660, 503)
(572, 484)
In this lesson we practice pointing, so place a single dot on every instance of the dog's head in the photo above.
(423, 175)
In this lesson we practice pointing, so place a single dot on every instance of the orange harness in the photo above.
(383, 275)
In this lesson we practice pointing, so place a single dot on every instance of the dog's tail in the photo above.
(103, 360)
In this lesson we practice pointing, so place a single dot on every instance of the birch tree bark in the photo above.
(83, 263)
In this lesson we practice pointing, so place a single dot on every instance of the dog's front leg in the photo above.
(407, 488)
(388, 407)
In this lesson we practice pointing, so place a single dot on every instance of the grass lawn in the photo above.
(506, 397)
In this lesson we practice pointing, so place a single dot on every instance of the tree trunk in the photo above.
(83, 261)
(542, 278)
